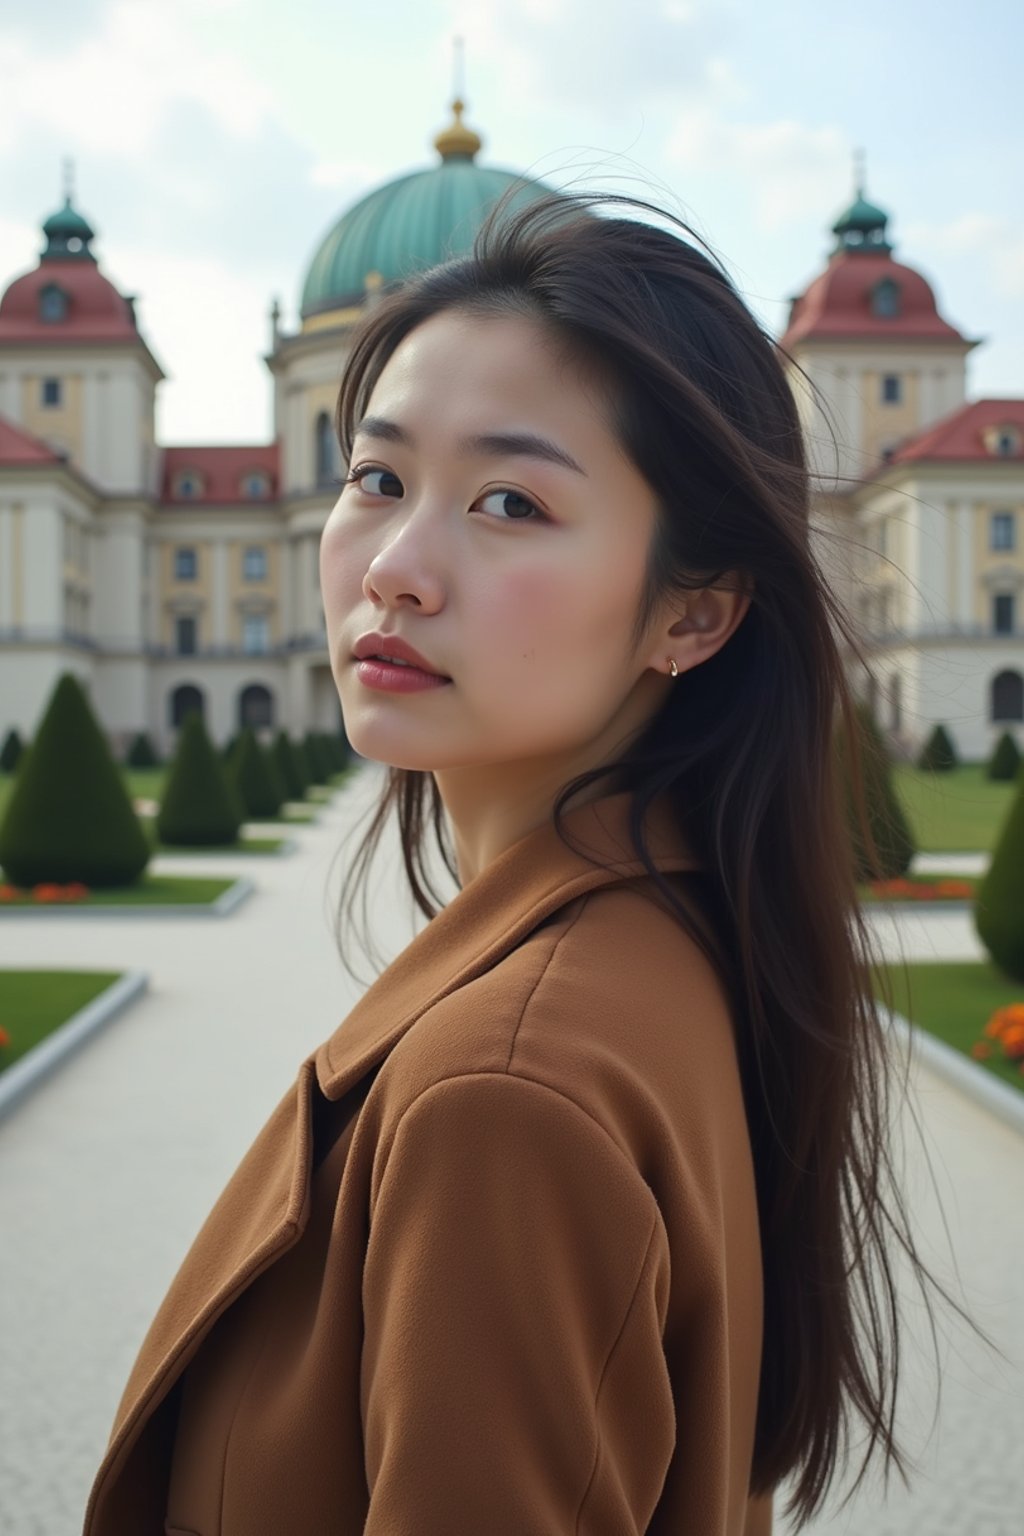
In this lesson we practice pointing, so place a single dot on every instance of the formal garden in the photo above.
(80, 829)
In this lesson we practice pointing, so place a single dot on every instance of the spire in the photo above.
(861, 229)
(457, 142)
(67, 233)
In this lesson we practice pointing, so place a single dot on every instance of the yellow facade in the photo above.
(60, 422)
(988, 560)
(886, 422)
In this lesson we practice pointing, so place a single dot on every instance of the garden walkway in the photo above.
(111, 1166)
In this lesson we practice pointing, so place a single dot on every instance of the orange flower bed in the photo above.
(913, 890)
(1005, 1028)
(73, 891)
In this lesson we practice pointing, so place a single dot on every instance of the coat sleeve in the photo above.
(514, 1297)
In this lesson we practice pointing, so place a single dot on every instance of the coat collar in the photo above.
(493, 913)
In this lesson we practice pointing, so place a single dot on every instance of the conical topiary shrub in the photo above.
(256, 777)
(69, 816)
(887, 820)
(287, 767)
(1005, 760)
(199, 807)
(319, 770)
(228, 749)
(13, 748)
(141, 754)
(999, 896)
(938, 752)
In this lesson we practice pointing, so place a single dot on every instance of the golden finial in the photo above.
(458, 141)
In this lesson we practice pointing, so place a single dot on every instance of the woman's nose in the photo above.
(406, 569)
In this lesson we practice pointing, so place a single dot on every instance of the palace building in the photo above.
(173, 577)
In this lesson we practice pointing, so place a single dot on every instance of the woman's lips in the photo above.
(390, 677)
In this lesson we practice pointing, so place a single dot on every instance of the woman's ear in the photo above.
(709, 616)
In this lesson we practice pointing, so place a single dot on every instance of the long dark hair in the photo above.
(745, 746)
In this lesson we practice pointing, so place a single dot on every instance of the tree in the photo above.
(319, 765)
(200, 807)
(283, 754)
(938, 752)
(999, 897)
(69, 816)
(1005, 760)
(13, 749)
(256, 777)
(890, 829)
(141, 754)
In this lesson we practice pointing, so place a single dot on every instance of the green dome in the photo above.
(411, 223)
(64, 227)
(862, 227)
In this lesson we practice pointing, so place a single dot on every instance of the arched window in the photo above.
(53, 304)
(885, 299)
(184, 700)
(1007, 697)
(255, 707)
(327, 451)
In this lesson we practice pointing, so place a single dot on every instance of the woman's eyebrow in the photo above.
(527, 445)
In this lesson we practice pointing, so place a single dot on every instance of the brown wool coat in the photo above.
(492, 1265)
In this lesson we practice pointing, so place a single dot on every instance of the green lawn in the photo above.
(955, 1002)
(956, 812)
(151, 890)
(33, 1003)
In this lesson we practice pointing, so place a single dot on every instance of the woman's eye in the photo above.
(359, 475)
(515, 515)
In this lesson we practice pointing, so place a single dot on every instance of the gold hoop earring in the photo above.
(672, 666)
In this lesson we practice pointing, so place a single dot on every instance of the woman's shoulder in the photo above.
(609, 1002)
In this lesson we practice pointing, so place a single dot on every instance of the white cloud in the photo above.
(995, 240)
(790, 170)
(207, 324)
(112, 91)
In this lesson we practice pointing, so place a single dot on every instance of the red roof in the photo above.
(960, 437)
(222, 470)
(96, 311)
(19, 447)
(838, 304)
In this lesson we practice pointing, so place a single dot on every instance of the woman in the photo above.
(554, 1233)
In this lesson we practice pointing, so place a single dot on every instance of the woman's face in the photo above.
(514, 576)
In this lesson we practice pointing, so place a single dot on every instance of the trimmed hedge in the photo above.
(890, 829)
(938, 752)
(13, 750)
(283, 753)
(69, 816)
(1005, 760)
(256, 777)
(141, 753)
(200, 807)
(999, 898)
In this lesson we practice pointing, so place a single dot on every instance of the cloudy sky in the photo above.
(216, 142)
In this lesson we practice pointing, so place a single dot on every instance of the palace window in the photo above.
(254, 633)
(1002, 531)
(51, 392)
(885, 299)
(328, 454)
(1002, 613)
(1007, 696)
(185, 634)
(185, 564)
(892, 389)
(53, 304)
(255, 563)
(255, 486)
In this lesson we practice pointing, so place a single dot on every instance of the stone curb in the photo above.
(23, 1075)
(227, 902)
(997, 1097)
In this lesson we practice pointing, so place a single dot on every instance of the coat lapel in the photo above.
(243, 1237)
(490, 916)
